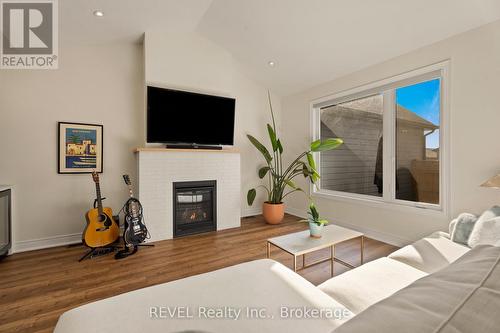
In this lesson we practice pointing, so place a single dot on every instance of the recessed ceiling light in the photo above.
(98, 13)
(271, 63)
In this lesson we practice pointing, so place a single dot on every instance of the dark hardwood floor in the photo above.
(37, 287)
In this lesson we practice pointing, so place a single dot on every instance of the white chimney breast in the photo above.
(160, 168)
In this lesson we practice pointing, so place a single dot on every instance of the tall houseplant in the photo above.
(281, 177)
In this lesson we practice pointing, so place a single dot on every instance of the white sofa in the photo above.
(366, 285)
(463, 297)
(279, 298)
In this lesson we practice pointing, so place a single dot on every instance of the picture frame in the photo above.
(79, 148)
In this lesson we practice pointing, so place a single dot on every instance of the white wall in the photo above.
(475, 119)
(94, 84)
(105, 85)
(191, 62)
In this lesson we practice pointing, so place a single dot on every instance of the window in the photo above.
(355, 166)
(393, 137)
(417, 142)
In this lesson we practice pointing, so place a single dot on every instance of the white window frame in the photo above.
(387, 88)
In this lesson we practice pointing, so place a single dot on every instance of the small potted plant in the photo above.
(316, 223)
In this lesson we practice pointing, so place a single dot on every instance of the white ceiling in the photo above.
(126, 20)
(312, 41)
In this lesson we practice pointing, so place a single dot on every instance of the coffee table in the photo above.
(301, 243)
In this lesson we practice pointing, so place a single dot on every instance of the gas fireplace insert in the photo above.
(195, 207)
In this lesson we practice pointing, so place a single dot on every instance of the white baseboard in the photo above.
(44, 243)
(295, 212)
(371, 233)
(251, 211)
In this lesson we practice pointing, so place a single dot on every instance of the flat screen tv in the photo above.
(184, 118)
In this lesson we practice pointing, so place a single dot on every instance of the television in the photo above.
(186, 119)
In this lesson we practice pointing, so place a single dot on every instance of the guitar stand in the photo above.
(125, 252)
(98, 251)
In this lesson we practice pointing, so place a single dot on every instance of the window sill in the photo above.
(423, 209)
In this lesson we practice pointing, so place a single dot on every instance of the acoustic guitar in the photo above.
(101, 229)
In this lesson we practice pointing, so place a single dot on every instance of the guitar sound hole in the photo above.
(105, 219)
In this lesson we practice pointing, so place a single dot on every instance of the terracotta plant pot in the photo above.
(273, 213)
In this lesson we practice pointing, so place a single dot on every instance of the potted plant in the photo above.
(316, 223)
(280, 176)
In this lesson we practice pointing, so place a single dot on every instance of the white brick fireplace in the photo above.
(159, 168)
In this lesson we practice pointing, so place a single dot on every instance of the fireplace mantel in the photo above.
(159, 168)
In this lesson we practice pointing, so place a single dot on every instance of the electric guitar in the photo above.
(135, 231)
(101, 229)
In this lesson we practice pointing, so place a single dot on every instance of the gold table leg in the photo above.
(268, 250)
(294, 263)
(362, 248)
(332, 250)
(303, 260)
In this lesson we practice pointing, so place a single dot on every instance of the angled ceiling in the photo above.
(314, 41)
(311, 41)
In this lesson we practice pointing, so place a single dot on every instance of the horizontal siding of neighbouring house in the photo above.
(410, 145)
(351, 167)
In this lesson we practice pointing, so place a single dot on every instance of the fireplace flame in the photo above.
(194, 215)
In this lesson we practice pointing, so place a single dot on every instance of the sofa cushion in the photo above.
(359, 288)
(431, 253)
(261, 284)
(463, 297)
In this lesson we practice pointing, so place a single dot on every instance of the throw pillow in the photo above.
(487, 228)
(462, 228)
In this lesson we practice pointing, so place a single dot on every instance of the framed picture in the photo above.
(80, 148)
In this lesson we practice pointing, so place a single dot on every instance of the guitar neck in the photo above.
(99, 198)
(133, 207)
